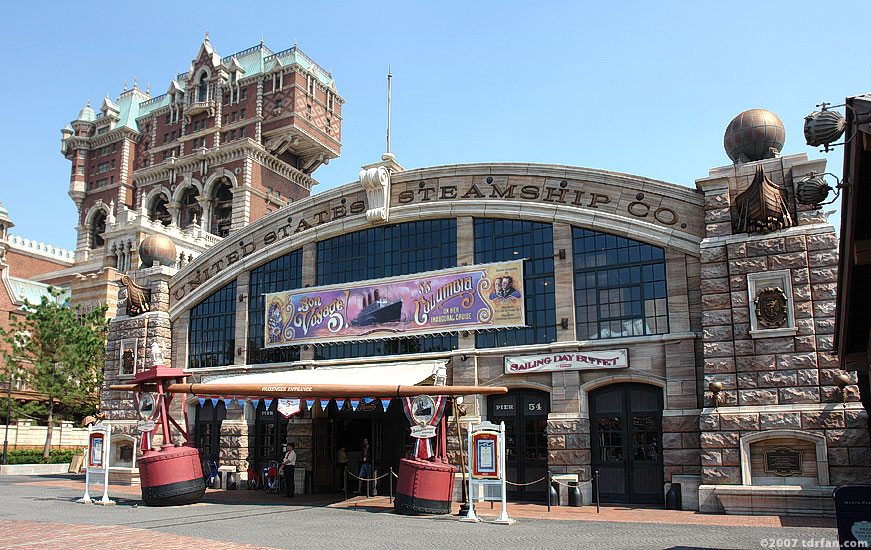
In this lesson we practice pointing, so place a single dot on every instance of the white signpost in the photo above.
(487, 466)
(97, 460)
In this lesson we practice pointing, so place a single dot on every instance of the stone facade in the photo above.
(781, 379)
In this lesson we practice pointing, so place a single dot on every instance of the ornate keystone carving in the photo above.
(376, 182)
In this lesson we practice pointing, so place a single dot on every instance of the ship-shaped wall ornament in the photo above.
(762, 207)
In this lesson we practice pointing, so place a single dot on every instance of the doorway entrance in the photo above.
(626, 437)
(387, 432)
(525, 415)
(207, 432)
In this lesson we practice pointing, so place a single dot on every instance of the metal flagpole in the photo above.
(389, 77)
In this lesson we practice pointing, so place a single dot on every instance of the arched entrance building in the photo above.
(637, 295)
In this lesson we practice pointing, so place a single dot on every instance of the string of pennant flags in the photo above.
(290, 407)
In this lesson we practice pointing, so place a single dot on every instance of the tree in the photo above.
(60, 351)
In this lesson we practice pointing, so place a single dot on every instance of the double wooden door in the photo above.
(626, 437)
(525, 415)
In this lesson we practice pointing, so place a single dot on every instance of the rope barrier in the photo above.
(394, 474)
(558, 482)
(525, 484)
(368, 479)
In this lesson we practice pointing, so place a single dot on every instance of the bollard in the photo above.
(550, 489)
(575, 498)
(390, 483)
(597, 491)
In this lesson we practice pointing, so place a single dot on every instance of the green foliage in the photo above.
(34, 456)
(59, 350)
(37, 410)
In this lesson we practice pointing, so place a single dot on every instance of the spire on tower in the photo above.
(207, 36)
(125, 85)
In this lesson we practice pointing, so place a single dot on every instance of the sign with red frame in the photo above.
(487, 460)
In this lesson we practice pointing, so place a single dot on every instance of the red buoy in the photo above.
(424, 487)
(171, 476)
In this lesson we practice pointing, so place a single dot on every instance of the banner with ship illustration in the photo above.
(484, 296)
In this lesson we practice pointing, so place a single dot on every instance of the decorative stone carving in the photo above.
(138, 297)
(762, 207)
(376, 182)
(771, 305)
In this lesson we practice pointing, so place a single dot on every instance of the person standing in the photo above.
(365, 466)
(289, 463)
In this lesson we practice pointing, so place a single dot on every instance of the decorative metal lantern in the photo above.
(812, 190)
(823, 127)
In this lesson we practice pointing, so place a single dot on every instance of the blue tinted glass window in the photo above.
(212, 329)
(620, 286)
(284, 273)
(500, 240)
(388, 251)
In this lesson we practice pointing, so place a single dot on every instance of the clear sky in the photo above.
(645, 88)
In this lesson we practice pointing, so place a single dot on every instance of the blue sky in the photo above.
(645, 88)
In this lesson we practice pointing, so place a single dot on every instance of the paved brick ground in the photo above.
(42, 513)
(40, 535)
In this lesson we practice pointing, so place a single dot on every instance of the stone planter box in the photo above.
(768, 500)
(34, 469)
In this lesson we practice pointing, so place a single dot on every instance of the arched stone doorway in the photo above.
(524, 412)
(626, 440)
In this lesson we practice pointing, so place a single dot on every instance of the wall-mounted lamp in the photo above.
(564, 323)
(241, 298)
(842, 381)
(813, 189)
(823, 127)
(717, 391)
(464, 357)
(239, 351)
(561, 254)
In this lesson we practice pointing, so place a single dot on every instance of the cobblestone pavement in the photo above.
(42, 513)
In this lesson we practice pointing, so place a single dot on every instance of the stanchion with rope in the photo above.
(368, 480)
(597, 491)
(345, 482)
(390, 484)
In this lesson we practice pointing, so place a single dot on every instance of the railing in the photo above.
(246, 51)
(152, 100)
(296, 51)
(41, 248)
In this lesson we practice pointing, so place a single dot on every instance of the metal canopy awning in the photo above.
(390, 374)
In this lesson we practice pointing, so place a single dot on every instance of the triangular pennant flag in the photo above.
(354, 404)
(324, 404)
(288, 407)
(227, 401)
(267, 402)
(340, 403)
(385, 403)
(241, 402)
(309, 403)
(202, 401)
(368, 399)
(255, 402)
(214, 402)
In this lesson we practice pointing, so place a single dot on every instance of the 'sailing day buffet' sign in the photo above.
(569, 360)
(484, 296)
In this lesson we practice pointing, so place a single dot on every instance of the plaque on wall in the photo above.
(782, 461)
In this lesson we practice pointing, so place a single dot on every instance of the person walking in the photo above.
(289, 463)
(365, 466)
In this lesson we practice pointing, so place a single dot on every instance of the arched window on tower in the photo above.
(203, 91)
(158, 210)
(222, 209)
(190, 209)
(98, 227)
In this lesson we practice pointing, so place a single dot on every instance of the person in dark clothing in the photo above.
(365, 466)
(289, 463)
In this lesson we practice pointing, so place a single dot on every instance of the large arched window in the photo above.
(98, 227)
(158, 211)
(282, 273)
(498, 240)
(222, 209)
(212, 333)
(620, 287)
(191, 211)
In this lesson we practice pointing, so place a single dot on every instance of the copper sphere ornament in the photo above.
(753, 135)
(157, 248)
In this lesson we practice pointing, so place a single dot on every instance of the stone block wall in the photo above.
(782, 382)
